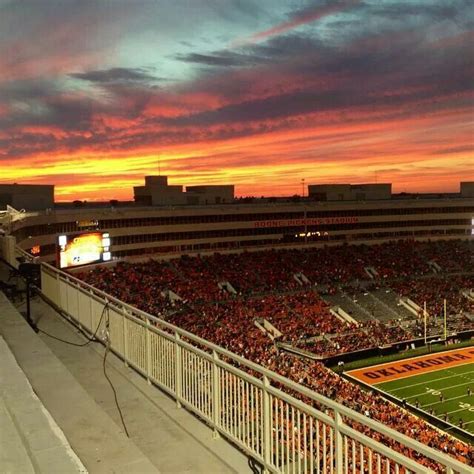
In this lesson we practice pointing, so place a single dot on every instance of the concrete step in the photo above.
(70, 382)
(31, 441)
(14, 456)
(55, 414)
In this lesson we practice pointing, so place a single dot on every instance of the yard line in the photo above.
(444, 401)
(455, 411)
(435, 380)
(439, 390)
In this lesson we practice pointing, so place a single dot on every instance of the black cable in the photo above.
(89, 339)
(255, 467)
(107, 347)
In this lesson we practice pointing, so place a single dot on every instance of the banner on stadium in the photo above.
(305, 222)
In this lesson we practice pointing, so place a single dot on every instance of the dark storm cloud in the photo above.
(366, 75)
(116, 75)
(220, 59)
(43, 103)
(438, 10)
(28, 89)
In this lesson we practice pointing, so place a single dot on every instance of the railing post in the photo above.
(179, 370)
(338, 444)
(148, 351)
(79, 312)
(125, 336)
(91, 322)
(68, 284)
(267, 429)
(57, 293)
(216, 394)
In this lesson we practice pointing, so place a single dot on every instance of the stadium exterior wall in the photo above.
(235, 227)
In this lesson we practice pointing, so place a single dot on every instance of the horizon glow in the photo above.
(256, 93)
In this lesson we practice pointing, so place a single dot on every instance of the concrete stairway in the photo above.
(69, 382)
(31, 441)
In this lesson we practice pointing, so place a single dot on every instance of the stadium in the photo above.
(326, 333)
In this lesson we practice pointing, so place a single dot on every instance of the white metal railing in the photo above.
(258, 410)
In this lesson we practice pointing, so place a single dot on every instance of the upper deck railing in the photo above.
(283, 425)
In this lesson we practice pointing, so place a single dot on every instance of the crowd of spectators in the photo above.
(451, 256)
(263, 285)
(297, 315)
(265, 288)
(250, 273)
(435, 290)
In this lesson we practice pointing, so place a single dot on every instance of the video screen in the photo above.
(82, 249)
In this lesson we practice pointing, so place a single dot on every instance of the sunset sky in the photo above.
(259, 93)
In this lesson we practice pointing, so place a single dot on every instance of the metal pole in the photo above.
(424, 317)
(445, 323)
(28, 305)
(305, 226)
(149, 367)
(267, 428)
(178, 370)
(216, 394)
(339, 446)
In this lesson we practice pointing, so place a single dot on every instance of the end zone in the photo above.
(381, 373)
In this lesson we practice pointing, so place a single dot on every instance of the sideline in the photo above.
(414, 366)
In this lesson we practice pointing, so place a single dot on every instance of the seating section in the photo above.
(435, 290)
(266, 289)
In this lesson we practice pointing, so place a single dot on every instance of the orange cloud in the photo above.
(274, 162)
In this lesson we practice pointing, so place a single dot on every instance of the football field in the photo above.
(441, 384)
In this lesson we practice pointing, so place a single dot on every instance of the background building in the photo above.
(31, 197)
(350, 192)
(467, 189)
(157, 192)
(170, 230)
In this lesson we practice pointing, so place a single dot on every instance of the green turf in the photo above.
(426, 388)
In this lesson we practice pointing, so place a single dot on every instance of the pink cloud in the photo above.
(308, 15)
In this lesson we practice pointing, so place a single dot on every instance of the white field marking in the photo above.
(469, 422)
(439, 390)
(455, 411)
(444, 401)
(463, 375)
(409, 374)
(434, 355)
(435, 380)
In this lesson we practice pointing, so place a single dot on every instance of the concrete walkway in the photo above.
(99, 443)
